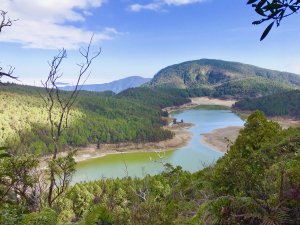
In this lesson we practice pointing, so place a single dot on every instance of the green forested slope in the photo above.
(24, 125)
(283, 104)
(225, 79)
(256, 182)
(209, 72)
(250, 87)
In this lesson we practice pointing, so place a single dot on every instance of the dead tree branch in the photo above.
(59, 105)
(6, 22)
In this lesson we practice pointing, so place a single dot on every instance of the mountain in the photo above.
(212, 73)
(115, 86)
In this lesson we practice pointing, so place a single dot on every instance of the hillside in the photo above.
(115, 86)
(283, 104)
(215, 74)
(256, 182)
(24, 126)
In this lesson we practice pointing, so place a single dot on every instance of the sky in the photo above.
(140, 37)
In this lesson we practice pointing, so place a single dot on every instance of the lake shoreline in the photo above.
(202, 101)
(220, 139)
(180, 139)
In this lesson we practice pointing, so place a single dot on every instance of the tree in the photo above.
(59, 105)
(6, 22)
(273, 10)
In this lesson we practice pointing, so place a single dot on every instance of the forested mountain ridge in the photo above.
(213, 73)
(115, 86)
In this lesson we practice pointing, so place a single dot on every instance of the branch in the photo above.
(274, 11)
(5, 22)
(8, 74)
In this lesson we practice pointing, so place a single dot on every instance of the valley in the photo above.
(166, 142)
(153, 112)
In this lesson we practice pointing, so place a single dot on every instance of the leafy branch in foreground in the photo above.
(273, 10)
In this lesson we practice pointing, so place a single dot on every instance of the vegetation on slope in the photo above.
(249, 88)
(225, 78)
(24, 128)
(283, 104)
(193, 74)
(257, 182)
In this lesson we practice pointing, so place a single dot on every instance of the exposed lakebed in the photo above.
(192, 157)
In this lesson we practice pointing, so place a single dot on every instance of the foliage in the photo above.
(156, 97)
(283, 104)
(98, 215)
(250, 88)
(18, 180)
(256, 182)
(45, 217)
(24, 128)
(273, 10)
(251, 183)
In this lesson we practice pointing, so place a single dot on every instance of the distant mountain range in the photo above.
(216, 78)
(115, 86)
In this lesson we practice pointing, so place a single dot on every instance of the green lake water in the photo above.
(191, 157)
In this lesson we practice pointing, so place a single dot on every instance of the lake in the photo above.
(192, 157)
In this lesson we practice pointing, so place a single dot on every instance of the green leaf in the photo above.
(251, 2)
(266, 32)
(274, 6)
(260, 11)
(294, 9)
(4, 155)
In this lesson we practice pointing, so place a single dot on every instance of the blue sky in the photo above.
(140, 37)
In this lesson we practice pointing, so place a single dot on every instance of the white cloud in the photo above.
(43, 23)
(157, 5)
(151, 6)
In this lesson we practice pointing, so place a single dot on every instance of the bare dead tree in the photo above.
(59, 105)
(6, 22)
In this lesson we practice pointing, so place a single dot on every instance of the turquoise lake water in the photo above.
(191, 157)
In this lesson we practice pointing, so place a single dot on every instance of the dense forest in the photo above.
(249, 88)
(96, 116)
(283, 104)
(256, 182)
(133, 115)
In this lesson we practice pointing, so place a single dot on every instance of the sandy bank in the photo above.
(181, 138)
(204, 101)
(219, 139)
(212, 101)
